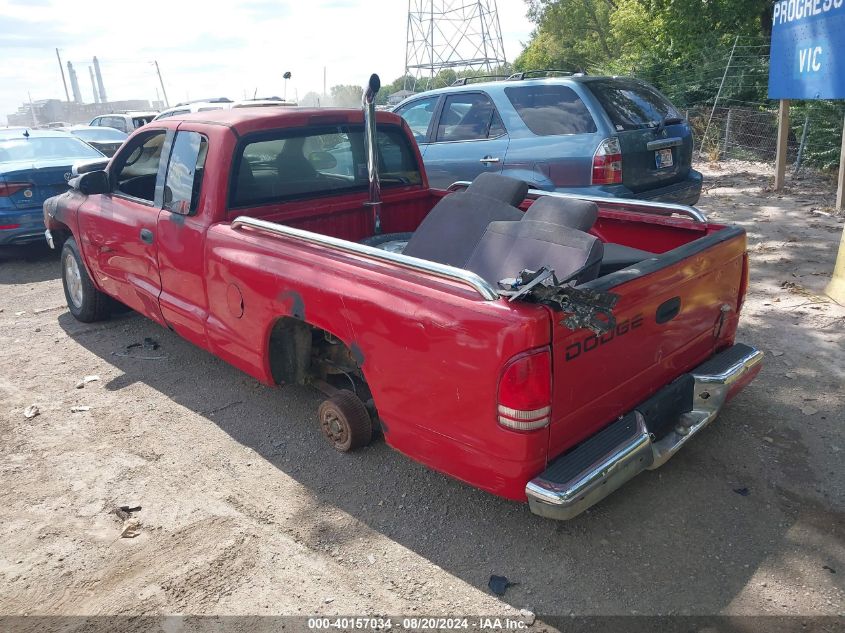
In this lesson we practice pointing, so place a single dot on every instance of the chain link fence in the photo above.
(725, 99)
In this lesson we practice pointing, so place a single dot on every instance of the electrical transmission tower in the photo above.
(457, 34)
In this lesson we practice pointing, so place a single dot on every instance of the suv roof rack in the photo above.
(546, 71)
(463, 81)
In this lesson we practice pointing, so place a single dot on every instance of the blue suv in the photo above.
(603, 136)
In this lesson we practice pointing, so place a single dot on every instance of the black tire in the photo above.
(85, 302)
(345, 421)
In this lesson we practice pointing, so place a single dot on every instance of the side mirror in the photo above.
(85, 166)
(93, 182)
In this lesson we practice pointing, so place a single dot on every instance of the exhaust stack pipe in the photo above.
(371, 146)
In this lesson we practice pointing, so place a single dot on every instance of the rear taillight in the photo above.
(8, 188)
(525, 392)
(9, 227)
(607, 163)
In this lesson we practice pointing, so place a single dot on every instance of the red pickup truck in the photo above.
(535, 345)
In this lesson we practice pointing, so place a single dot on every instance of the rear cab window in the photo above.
(286, 165)
(549, 109)
(632, 105)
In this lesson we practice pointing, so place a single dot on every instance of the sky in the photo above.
(204, 49)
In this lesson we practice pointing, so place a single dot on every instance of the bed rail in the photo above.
(458, 275)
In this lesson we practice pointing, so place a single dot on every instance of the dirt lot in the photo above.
(245, 509)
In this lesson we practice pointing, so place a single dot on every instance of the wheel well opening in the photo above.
(301, 353)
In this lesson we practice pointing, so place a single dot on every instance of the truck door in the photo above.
(118, 229)
(182, 225)
(469, 139)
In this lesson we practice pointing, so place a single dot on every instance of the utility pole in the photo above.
(163, 91)
(32, 110)
(62, 70)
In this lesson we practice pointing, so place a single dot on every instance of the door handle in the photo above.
(489, 159)
(146, 236)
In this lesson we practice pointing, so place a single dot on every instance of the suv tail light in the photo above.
(525, 392)
(8, 188)
(607, 163)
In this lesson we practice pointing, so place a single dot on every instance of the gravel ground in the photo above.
(245, 509)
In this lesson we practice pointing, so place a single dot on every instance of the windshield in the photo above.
(100, 134)
(632, 105)
(45, 148)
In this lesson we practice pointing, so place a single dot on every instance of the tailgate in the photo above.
(654, 160)
(668, 319)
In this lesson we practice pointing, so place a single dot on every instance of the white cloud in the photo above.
(208, 49)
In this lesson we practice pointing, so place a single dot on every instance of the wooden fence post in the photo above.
(836, 288)
(783, 135)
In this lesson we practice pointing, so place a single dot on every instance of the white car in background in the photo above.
(197, 106)
(262, 103)
(126, 122)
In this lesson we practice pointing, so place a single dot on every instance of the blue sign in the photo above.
(808, 50)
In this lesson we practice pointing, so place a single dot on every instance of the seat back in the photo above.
(451, 230)
(503, 188)
(507, 248)
(565, 212)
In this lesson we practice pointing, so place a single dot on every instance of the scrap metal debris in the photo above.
(80, 408)
(125, 512)
(86, 380)
(31, 411)
(148, 344)
(499, 584)
(131, 528)
(591, 309)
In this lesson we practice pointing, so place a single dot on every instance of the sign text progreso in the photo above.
(808, 50)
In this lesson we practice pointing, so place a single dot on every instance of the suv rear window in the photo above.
(548, 110)
(632, 105)
(285, 165)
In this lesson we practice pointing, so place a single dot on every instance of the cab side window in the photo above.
(135, 168)
(184, 173)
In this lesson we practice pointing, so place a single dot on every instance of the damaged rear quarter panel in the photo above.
(433, 351)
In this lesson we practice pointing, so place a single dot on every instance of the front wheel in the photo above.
(85, 302)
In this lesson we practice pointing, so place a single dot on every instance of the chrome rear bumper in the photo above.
(592, 470)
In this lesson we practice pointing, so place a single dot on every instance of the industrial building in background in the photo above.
(44, 111)
(451, 34)
(54, 111)
(74, 83)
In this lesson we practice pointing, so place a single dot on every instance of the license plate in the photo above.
(663, 158)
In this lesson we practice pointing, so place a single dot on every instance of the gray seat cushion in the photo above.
(576, 214)
(451, 230)
(507, 248)
(616, 257)
(503, 188)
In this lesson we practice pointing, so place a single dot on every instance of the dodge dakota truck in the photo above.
(539, 346)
